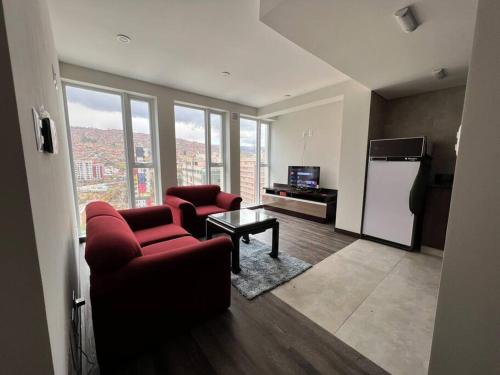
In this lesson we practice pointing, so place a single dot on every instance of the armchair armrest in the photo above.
(177, 202)
(228, 201)
(147, 217)
(183, 212)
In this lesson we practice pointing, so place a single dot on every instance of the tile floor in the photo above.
(379, 300)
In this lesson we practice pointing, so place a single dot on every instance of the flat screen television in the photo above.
(303, 177)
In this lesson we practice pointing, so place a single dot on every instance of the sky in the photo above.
(103, 110)
(189, 124)
(248, 133)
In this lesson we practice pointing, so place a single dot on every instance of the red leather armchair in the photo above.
(149, 276)
(191, 205)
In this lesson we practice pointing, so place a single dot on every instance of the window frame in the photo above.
(268, 155)
(208, 140)
(258, 161)
(128, 143)
(127, 98)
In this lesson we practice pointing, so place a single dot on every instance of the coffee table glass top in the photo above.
(241, 218)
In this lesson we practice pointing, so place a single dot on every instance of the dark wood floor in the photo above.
(263, 336)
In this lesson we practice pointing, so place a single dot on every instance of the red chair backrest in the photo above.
(199, 195)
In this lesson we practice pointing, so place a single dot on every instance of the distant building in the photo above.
(139, 153)
(87, 170)
(247, 179)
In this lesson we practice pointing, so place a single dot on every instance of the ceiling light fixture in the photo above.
(122, 38)
(439, 73)
(406, 19)
(225, 74)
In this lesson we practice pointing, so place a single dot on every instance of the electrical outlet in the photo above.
(76, 303)
(73, 310)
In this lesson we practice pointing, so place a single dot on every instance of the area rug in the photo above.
(261, 273)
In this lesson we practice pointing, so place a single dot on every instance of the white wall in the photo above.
(50, 261)
(356, 101)
(467, 328)
(166, 120)
(322, 149)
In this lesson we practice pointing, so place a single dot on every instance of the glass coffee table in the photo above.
(242, 223)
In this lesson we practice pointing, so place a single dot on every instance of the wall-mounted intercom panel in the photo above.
(45, 131)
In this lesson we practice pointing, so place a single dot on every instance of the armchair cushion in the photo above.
(110, 244)
(204, 211)
(176, 243)
(199, 195)
(165, 232)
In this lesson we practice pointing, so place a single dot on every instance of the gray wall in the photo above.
(356, 101)
(435, 114)
(322, 149)
(39, 273)
(24, 337)
(467, 329)
(166, 120)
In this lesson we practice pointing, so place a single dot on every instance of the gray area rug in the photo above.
(261, 273)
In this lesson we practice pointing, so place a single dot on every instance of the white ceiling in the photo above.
(186, 44)
(363, 39)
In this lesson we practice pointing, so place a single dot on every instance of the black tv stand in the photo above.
(313, 204)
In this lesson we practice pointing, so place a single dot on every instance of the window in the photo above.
(216, 149)
(199, 140)
(264, 155)
(112, 138)
(254, 159)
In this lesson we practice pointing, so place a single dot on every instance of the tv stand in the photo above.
(312, 204)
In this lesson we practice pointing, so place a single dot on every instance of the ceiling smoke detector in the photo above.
(439, 73)
(122, 38)
(226, 74)
(288, 95)
(406, 19)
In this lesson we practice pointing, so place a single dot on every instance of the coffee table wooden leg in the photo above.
(208, 230)
(235, 256)
(276, 238)
(246, 238)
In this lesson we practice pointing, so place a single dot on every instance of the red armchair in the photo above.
(191, 205)
(149, 276)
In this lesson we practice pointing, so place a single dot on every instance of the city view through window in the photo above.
(99, 150)
(254, 136)
(195, 152)
(113, 153)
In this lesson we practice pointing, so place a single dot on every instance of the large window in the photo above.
(112, 138)
(254, 159)
(199, 139)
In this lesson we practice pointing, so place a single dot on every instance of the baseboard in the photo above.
(415, 248)
(432, 251)
(348, 233)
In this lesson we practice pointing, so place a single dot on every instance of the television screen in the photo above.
(303, 177)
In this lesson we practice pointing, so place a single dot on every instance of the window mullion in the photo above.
(129, 147)
(257, 175)
(208, 146)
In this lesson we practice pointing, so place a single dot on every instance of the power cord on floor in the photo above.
(75, 333)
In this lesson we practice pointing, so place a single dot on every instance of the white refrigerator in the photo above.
(395, 190)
